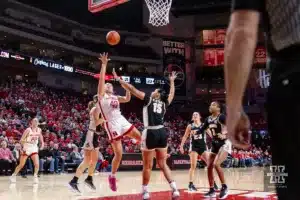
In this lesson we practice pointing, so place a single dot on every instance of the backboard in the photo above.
(99, 5)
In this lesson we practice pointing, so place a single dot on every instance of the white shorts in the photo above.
(227, 147)
(118, 128)
(30, 149)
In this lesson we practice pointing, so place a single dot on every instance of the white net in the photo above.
(159, 11)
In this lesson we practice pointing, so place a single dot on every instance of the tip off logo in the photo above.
(180, 74)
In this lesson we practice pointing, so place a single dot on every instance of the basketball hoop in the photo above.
(159, 12)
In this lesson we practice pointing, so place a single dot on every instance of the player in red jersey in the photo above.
(115, 124)
(30, 140)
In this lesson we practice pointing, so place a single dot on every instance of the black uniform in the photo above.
(281, 23)
(155, 134)
(215, 125)
(91, 140)
(198, 140)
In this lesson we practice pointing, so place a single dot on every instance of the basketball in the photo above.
(113, 38)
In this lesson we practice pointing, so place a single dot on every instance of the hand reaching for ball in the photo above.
(104, 58)
(173, 76)
(238, 126)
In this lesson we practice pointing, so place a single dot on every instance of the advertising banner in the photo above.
(180, 162)
(174, 60)
(131, 162)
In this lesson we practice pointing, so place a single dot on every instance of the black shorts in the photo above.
(92, 140)
(199, 150)
(216, 146)
(154, 139)
(225, 145)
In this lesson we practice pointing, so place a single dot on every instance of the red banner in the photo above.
(209, 57)
(220, 36)
(107, 77)
(220, 56)
(260, 55)
(209, 37)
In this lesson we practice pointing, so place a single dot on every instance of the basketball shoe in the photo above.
(74, 187)
(89, 182)
(210, 193)
(13, 179)
(223, 192)
(112, 182)
(192, 187)
(146, 195)
(35, 179)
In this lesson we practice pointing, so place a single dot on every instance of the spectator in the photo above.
(241, 157)
(248, 159)
(99, 163)
(46, 161)
(3, 136)
(267, 160)
(76, 157)
(7, 161)
(235, 158)
(58, 158)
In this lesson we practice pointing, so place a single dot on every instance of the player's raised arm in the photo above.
(127, 97)
(128, 87)
(104, 60)
(172, 78)
(185, 137)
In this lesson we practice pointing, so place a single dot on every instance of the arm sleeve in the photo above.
(204, 126)
(222, 119)
(147, 99)
(257, 5)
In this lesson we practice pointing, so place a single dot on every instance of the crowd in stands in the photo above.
(66, 121)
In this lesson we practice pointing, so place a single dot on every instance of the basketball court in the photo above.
(244, 184)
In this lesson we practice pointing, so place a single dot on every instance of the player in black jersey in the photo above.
(91, 149)
(215, 126)
(197, 146)
(155, 135)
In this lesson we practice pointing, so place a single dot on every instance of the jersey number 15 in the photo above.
(157, 108)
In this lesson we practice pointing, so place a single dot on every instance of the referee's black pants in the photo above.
(283, 108)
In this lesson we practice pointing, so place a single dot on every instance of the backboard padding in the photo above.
(99, 5)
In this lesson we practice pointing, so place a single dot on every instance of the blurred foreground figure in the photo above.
(281, 22)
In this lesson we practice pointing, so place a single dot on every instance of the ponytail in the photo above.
(91, 105)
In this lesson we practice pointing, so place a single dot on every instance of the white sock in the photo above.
(113, 174)
(145, 188)
(173, 185)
